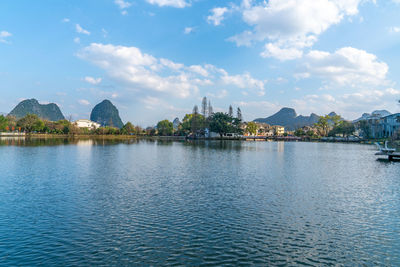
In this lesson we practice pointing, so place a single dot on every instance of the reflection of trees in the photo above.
(31, 142)
(215, 144)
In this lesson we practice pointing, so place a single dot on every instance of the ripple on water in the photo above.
(261, 203)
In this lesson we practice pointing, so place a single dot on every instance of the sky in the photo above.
(156, 59)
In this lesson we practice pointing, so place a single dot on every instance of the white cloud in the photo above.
(199, 70)
(217, 15)
(274, 50)
(290, 26)
(79, 29)
(245, 81)
(84, 102)
(256, 109)
(141, 72)
(92, 80)
(77, 40)
(394, 29)
(122, 4)
(220, 94)
(170, 64)
(188, 30)
(347, 66)
(65, 20)
(350, 105)
(105, 33)
(3, 36)
(171, 3)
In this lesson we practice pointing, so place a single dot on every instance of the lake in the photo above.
(84, 202)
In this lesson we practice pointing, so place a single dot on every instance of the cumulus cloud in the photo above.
(347, 66)
(122, 4)
(171, 3)
(349, 105)
(220, 94)
(217, 15)
(92, 80)
(133, 69)
(188, 30)
(3, 36)
(394, 29)
(81, 30)
(84, 102)
(288, 27)
(245, 81)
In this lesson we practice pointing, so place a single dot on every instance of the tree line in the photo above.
(328, 126)
(31, 123)
(201, 122)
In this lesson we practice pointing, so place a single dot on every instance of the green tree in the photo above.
(310, 133)
(344, 128)
(365, 128)
(210, 108)
(28, 122)
(299, 132)
(128, 128)
(230, 112)
(12, 122)
(252, 128)
(335, 119)
(3, 123)
(165, 127)
(239, 114)
(192, 123)
(323, 125)
(38, 126)
(223, 123)
(204, 107)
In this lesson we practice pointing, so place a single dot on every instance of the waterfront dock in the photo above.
(390, 155)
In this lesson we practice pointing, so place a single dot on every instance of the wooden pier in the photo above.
(390, 155)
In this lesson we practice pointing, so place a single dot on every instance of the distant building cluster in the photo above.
(87, 124)
(379, 125)
(263, 129)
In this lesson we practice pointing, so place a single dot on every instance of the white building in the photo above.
(87, 124)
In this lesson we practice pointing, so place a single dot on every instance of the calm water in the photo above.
(175, 203)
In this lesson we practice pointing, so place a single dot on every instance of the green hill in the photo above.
(288, 118)
(49, 112)
(106, 114)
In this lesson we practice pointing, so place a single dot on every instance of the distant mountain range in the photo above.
(31, 106)
(288, 118)
(106, 114)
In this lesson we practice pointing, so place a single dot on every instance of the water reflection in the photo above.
(88, 203)
(32, 142)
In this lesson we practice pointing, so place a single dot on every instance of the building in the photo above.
(263, 129)
(384, 127)
(278, 130)
(391, 125)
(87, 124)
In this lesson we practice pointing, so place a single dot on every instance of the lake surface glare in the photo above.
(86, 203)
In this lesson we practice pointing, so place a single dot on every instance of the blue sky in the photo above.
(156, 59)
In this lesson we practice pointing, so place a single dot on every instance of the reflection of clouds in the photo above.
(281, 147)
(88, 142)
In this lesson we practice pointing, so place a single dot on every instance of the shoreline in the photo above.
(184, 138)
